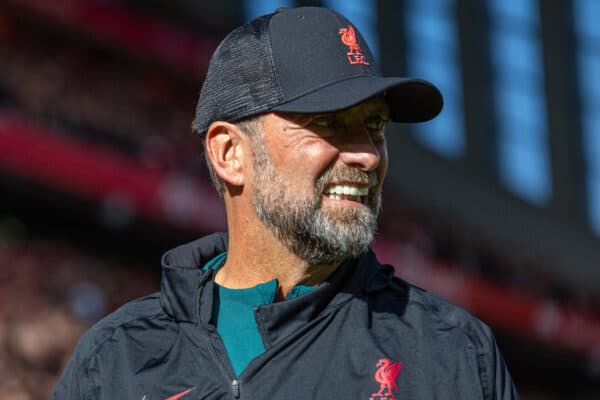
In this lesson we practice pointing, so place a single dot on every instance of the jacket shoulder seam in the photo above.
(110, 331)
(472, 328)
(114, 328)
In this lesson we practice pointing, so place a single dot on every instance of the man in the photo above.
(292, 304)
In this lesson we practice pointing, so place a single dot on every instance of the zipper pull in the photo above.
(235, 387)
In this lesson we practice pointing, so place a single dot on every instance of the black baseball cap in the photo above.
(303, 60)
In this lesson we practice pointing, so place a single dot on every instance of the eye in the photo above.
(375, 125)
(324, 121)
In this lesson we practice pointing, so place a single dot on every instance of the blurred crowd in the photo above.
(50, 293)
(440, 238)
(130, 107)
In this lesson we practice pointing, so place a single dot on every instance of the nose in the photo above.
(360, 151)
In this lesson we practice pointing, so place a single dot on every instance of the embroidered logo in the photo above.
(348, 37)
(177, 396)
(386, 375)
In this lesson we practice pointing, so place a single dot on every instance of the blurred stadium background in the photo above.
(495, 205)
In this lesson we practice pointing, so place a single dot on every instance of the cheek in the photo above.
(309, 160)
(321, 155)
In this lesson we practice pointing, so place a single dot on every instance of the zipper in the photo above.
(215, 341)
(233, 381)
(235, 388)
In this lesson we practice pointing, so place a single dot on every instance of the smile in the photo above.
(347, 192)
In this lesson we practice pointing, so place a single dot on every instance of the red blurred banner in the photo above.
(45, 155)
(145, 36)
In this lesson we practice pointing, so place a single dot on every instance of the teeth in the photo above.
(345, 197)
(347, 190)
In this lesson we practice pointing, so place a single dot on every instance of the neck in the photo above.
(256, 256)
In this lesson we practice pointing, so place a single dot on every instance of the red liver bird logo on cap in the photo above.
(348, 36)
(386, 375)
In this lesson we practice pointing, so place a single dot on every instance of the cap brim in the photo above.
(409, 99)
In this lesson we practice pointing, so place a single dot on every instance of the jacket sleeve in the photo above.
(495, 378)
(75, 382)
(504, 389)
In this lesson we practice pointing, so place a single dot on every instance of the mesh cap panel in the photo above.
(244, 60)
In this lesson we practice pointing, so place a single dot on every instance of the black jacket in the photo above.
(363, 335)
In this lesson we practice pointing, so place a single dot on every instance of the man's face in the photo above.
(317, 180)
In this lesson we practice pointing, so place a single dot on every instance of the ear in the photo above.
(225, 147)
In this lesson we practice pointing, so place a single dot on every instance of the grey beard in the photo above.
(303, 226)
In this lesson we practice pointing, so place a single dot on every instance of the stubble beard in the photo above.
(314, 234)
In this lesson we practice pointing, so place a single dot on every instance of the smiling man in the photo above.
(311, 191)
(292, 303)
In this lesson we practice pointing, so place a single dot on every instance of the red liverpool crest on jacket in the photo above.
(348, 37)
(386, 375)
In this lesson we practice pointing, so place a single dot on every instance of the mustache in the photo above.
(345, 174)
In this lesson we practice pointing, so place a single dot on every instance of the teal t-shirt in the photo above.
(233, 315)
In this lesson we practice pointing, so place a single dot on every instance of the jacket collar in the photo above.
(187, 289)
(183, 278)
